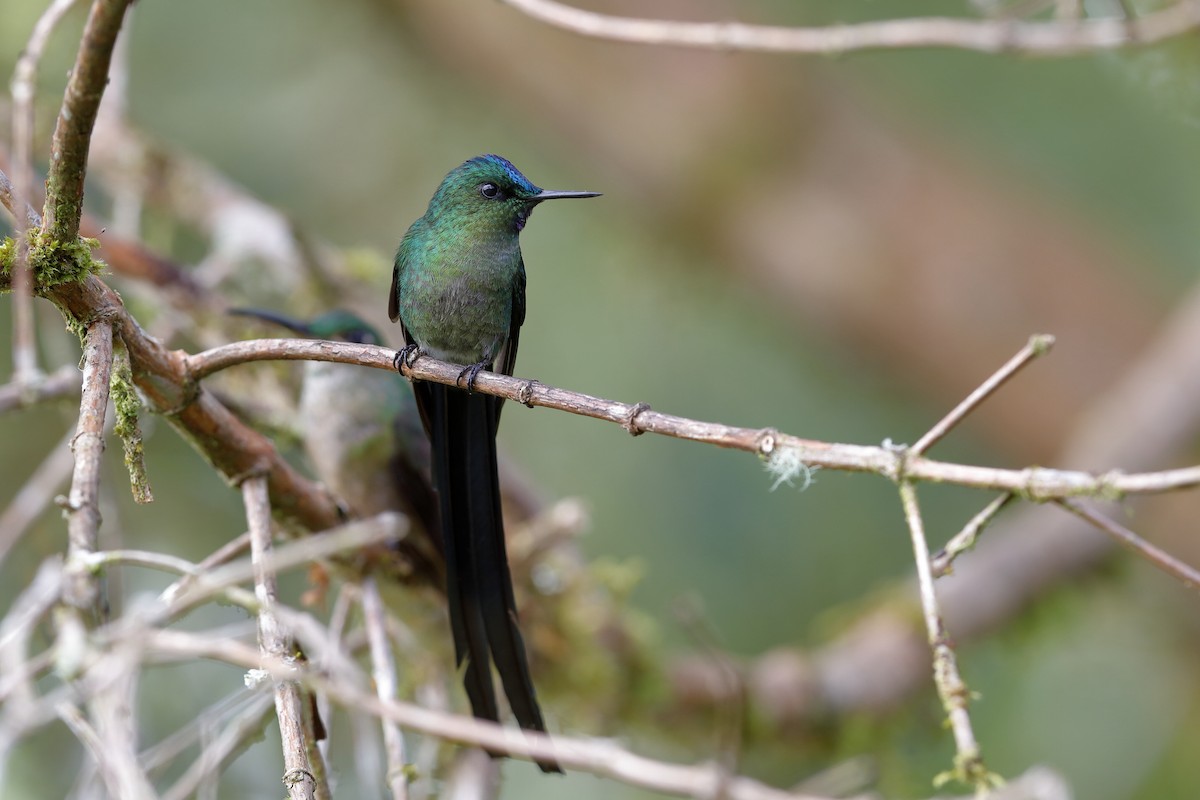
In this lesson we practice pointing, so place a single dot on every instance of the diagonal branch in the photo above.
(1184, 573)
(1038, 345)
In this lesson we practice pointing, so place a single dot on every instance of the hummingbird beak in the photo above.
(551, 195)
(295, 326)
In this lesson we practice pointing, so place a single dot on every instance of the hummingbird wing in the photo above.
(506, 359)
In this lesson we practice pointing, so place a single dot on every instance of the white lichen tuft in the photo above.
(253, 678)
(785, 465)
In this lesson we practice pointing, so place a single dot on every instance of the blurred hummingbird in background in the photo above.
(458, 291)
(363, 435)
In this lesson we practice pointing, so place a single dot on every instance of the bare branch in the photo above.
(17, 692)
(965, 539)
(62, 383)
(1185, 574)
(205, 582)
(968, 760)
(1148, 417)
(24, 85)
(231, 447)
(601, 758)
(111, 709)
(383, 670)
(301, 776)
(1039, 344)
(73, 131)
(83, 503)
(233, 739)
(36, 493)
(1059, 37)
(21, 211)
(1035, 482)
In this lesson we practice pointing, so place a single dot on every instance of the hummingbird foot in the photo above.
(406, 357)
(472, 372)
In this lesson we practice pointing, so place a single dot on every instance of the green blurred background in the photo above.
(838, 248)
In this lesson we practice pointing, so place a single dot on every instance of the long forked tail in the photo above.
(483, 612)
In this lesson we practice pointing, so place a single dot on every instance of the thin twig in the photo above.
(235, 736)
(965, 539)
(73, 131)
(1148, 417)
(1039, 344)
(60, 384)
(383, 670)
(1035, 482)
(22, 212)
(1049, 38)
(36, 493)
(300, 775)
(1185, 574)
(205, 583)
(968, 761)
(111, 704)
(83, 503)
(24, 87)
(598, 757)
(16, 630)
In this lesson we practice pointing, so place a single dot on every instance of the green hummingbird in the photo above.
(363, 435)
(458, 291)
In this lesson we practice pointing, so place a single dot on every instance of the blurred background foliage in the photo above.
(838, 248)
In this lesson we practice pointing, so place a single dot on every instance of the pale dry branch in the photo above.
(232, 739)
(1038, 345)
(204, 583)
(17, 692)
(1184, 573)
(601, 758)
(111, 708)
(965, 539)
(383, 670)
(22, 212)
(1035, 483)
(83, 503)
(1147, 418)
(36, 493)
(1056, 37)
(474, 776)
(61, 384)
(952, 690)
(24, 85)
(301, 775)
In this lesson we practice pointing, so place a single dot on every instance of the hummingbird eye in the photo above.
(489, 190)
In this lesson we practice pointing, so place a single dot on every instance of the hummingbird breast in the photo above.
(457, 303)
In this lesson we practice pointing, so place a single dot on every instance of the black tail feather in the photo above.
(483, 612)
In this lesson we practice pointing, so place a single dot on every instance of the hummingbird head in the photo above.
(489, 191)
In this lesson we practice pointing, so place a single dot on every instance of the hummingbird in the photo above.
(458, 291)
(363, 435)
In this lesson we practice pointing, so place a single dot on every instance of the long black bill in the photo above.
(283, 321)
(547, 194)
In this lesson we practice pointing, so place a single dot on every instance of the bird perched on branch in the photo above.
(363, 436)
(458, 291)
